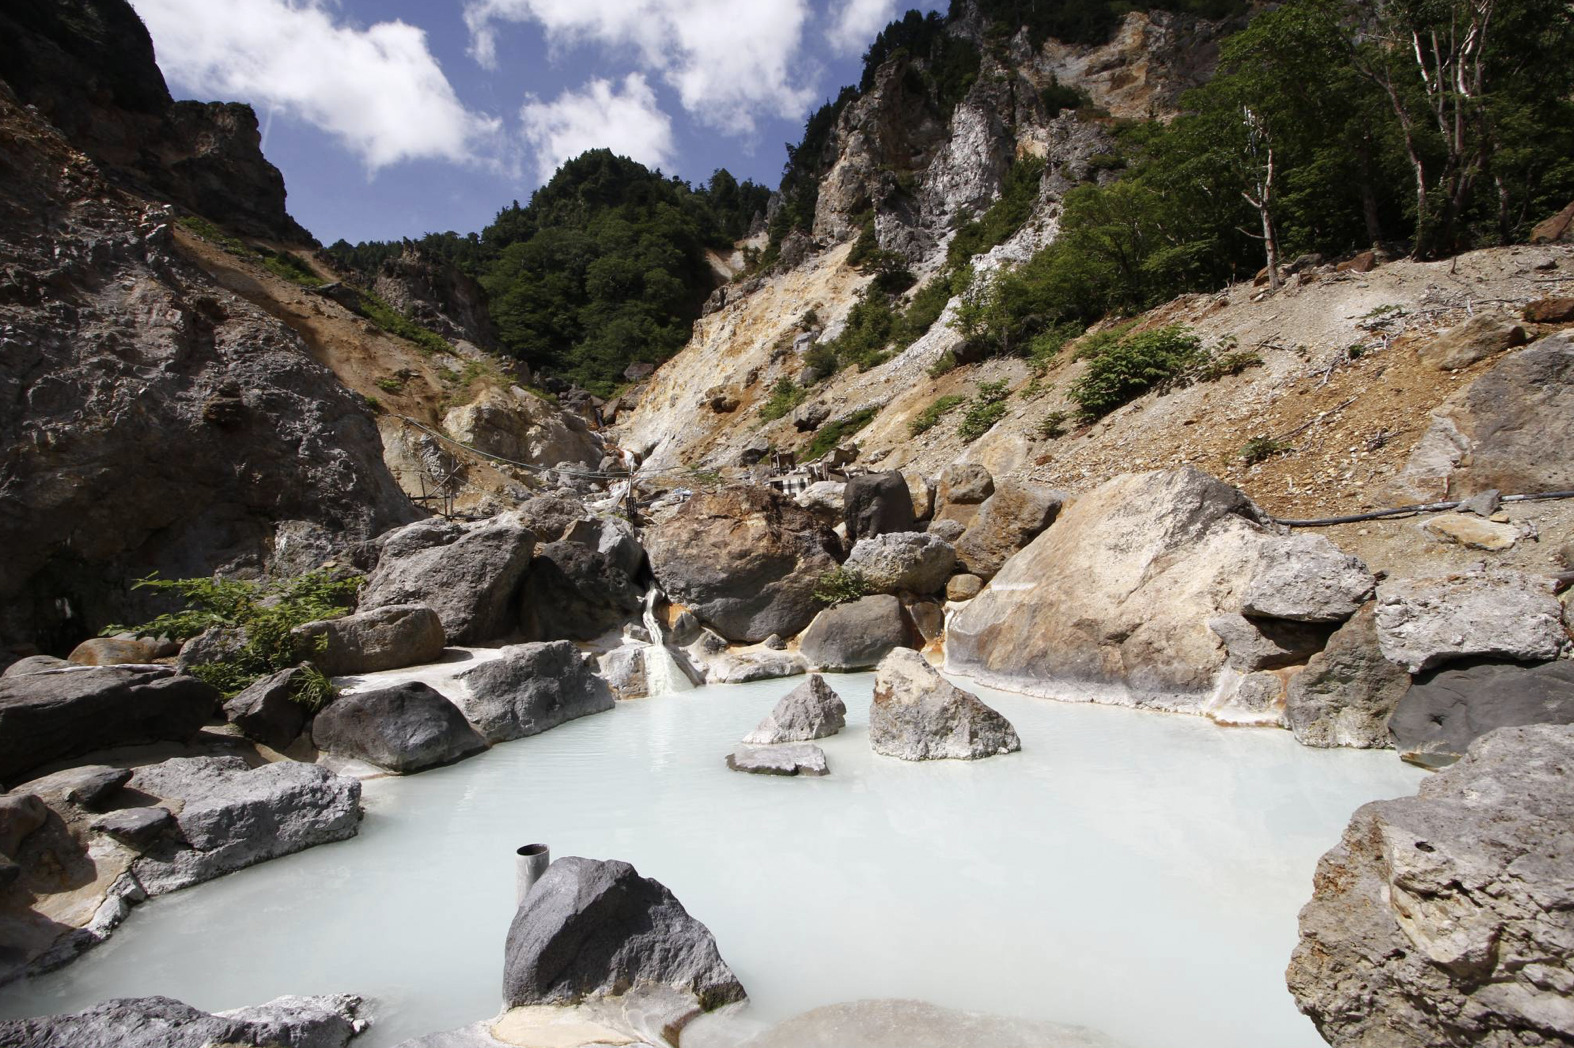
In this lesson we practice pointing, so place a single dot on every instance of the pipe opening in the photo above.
(531, 849)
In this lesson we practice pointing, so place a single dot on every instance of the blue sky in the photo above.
(395, 118)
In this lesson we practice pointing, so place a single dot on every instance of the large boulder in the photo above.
(810, 711)
(1306, 578)
(574, 591)
(1448, 709)
(404, 728)
(918, 715)
(521, 426)
(590, 929)
(267, 712)
(384, 638)
(1422, 623)
(964, 487)
(1444, 919)
(231, 816)
(744, 560)
(162, 1022)
(531, 688)
(1006, 522)
(904, 561)
(1348, 691)
(825, 499)
(66, 713)
(877, 504)
(1482, 336)
(1511, 429)
(1114, 603)
(469, 574)
(549, 516)
(857, 635)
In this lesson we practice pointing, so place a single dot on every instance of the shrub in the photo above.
(1122, 372)
(934, 413)
(922, 312)
(1261, 449)
(944, 365)
(840, 586)
(1053, 424)
(785, 396)
(988, 407)
(832, 434)
(1229, 363)
(265, 612)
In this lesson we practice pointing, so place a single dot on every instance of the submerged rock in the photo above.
(232, 816)
(404, 728)
(531, 688)
(161, 1022)
(1422, 623)
(856, 636)
(69, 712)
(598, 929)
(1447, 710)
(919, 715)
(1444, 919)
(793, 758)
(810, 711)
(745, 666)
(915, 1024)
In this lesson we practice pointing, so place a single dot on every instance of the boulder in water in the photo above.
(792, 758)
(919, 715)
(161, 1022)
(531, 688)
(1446, 710)
(404, 728)
(856, 636)
(810, 711)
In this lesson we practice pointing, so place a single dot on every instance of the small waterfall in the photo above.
(662, 672)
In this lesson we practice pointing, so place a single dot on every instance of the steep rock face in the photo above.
(1444, 919)
(88, 66)
(1142, 71)
(517, 425)
(160, 424)
(435, 294)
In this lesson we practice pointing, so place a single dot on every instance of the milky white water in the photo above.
(1134, 872)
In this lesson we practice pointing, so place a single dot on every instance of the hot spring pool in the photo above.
(1133, 872)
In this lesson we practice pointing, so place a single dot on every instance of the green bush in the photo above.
(265, 612)
(1053, 424)
(1122, 372)
(922, 312)
(934, 413)
(833, 433)
(988, 407)
(944, 365)
(1261, 449)
(840, 586)
(785, 396)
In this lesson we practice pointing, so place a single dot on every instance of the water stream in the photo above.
(663, 675)
(1134, 872)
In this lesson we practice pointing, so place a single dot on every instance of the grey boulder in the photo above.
(1444, 918)
(232, 816)
(1447, 710)
(810, 711)
(1306, 578)
(404, 728)
(267, 712)
(384, 638)
(963, 488)
(1006, 522)
(574, 591)
(1425, 622)
(531, 688)
(1266, 644)
(591, 929)
(745, 666)
(918, 715)
(793, 758)
(34, 664)
(70, 712)
(469, 574)
(905, 561)
(857, 635)
(1348, 691)
(877, 504)
(161, 1022)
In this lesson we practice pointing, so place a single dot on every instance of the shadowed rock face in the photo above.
(1443, 919)
(406, 728)
(1447, 710)
(593, 929)
(161, 1022)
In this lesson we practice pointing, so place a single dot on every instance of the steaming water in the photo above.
(1134, 872)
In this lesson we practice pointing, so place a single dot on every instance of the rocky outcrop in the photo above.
(437, 295)
(1348, 691)
(1114, 602)
(229, 816)
(591, 929)
(383, 638)
(1266, 644)
(810, 711)
(1511, 429)
(518, 425)
(744, 560)
(1422, 623)
(1443, 919)
(267, 712)
(67, 713)
(529, 689)
(161, 1022)
(405, 728)
(573, 591)
(918, 715)
(469, 574)
(1447, 710)
(877, 504)
(797, 758)
(856, 636)
(1476, 339)
(905, 561)
(1006, 522)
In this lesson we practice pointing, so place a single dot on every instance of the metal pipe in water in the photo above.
(530, 862)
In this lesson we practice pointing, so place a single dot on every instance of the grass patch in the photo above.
(931, 415)
(379, 312)
(833, 433)
(785, 396)
(1261, 449)
(987, 408)
(285, 264)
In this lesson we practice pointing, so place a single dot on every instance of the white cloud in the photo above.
(378, 89)
(630, 124)
(730, 62)
(858, 23)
